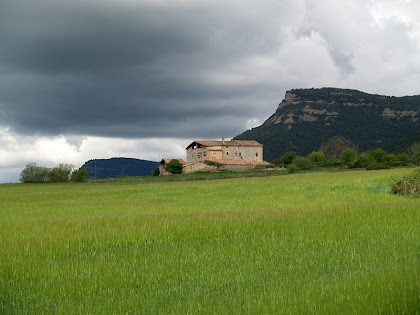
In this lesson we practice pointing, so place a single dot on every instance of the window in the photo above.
(214, 154)
(236, 153)
(205, 153)
(227, 153)
(256, 154)
(199, 155)
(240, 153)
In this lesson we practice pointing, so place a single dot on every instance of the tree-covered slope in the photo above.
(117, 167)
(403, 145)
(306, 118)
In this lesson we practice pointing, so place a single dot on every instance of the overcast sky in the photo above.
(86, 79)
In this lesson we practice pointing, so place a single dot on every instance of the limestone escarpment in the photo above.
(308, 117)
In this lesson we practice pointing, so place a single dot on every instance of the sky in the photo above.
(86, 79)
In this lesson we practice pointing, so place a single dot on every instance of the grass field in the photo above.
(294, 243)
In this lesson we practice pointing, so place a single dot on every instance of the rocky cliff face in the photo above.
(308, 117)
(308, 113)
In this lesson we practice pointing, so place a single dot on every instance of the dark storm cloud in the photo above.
(187, 68)
(135, 69)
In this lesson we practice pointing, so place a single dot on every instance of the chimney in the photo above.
(223, 140)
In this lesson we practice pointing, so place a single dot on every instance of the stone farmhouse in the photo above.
(207, 155)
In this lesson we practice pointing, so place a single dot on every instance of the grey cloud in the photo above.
(134, 71)
(155, 69)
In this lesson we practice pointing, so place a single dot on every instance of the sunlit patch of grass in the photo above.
(300, 243)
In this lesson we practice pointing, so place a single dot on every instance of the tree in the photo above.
(376, 159)
(286, 158)
(156, 172)
(33, 173)
(174, 167)
(60, 173)
(317, 157)
(402, 159)
(335, 146)
(302, 163)
(348, 156)
(415, 153)
(79, 175)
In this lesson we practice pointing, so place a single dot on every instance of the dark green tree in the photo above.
(415, 153)
(286, 159)
(402, 159)
(174, 167)
(317, 157)
(60, 173)
(348, 156)
(156, 172)
(376, 159)
(302, 163)
(79, 175)
(33, 173)
(335, 146)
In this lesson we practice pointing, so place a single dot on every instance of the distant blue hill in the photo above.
(119, 167)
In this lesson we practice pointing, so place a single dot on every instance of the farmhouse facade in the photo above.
(233, 150)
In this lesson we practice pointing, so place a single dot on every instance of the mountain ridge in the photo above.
(306, 118)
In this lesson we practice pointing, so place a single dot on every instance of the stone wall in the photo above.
(197, 167)
(203, 167)
(162, 170)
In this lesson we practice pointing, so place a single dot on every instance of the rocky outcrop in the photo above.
(398, 114)
(306, 118)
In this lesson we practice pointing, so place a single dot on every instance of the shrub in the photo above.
(174, 167)
(79, 175)
(361, 161)
(60, 173)
(317, 157)
(415, 153)
(209, 162)
(287, 159)
(33, 173)
(409, 185)
(302, 163)
(277, 161)
(373, 160)
(292, 168)
(376, 166)
(377, 159)
(348, 156)
(156, 172)
(402, 159)
(378, 155)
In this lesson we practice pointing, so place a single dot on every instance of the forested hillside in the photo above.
(118, 167)
(307, 118)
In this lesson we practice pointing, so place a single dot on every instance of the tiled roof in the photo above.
(168, 160)
(212, 143)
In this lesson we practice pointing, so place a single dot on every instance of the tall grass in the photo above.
(301, 243)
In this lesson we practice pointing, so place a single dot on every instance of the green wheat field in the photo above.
(322, 242)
